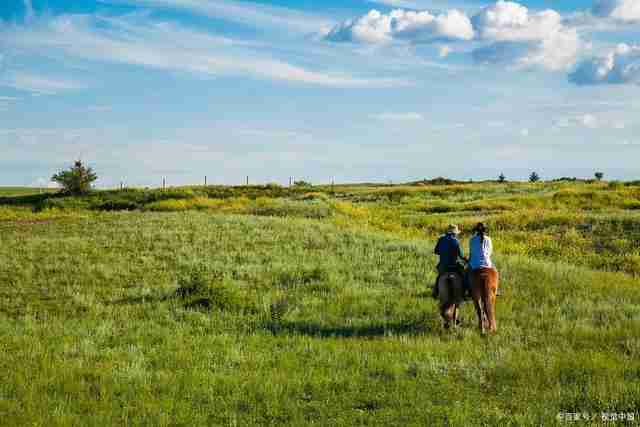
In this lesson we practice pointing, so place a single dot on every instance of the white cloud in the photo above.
(604, 120)
(507, 32)
(376, 27)
(623, 10)
(524, 39)
(403, 117)
(44, 183)
(584, 120)
(40, 84)
(511, 21)
(169, 47)
(618, 66)
(251, 14)
(444, 51)
(589, 121)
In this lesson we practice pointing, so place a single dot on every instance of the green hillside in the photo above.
(275, 306)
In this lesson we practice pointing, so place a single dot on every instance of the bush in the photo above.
(116, 205)
(198, 292)
(61, 203)
(77, 180)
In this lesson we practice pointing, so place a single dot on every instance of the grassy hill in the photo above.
(275, 306)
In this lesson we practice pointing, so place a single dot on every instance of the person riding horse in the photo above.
(480, 251)
(450, 252)
(484, 278)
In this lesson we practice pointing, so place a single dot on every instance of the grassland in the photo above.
(276, 306)
(22, 191)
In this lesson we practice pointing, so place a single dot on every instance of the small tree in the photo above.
(301, 183)
(502, 178)
(534, 177)
(599, 175)
(76, 180)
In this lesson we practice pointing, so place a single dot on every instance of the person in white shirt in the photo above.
(480, 249)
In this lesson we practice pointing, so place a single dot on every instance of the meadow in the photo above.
(295, 306)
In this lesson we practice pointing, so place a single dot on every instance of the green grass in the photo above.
(304, 307)
(21, 191)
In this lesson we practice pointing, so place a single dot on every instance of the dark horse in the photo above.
(451, 292)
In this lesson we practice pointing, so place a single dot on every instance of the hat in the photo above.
(453, 229)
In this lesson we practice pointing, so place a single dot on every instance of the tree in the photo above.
(599, 175)
(502, 178)
(76, 180)
(534, 177)
(301, 183)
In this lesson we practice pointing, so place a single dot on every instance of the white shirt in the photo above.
(480, 253)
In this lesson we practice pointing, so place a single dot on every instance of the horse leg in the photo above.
(455, 316)
(488, 307)
(443, 313)
(476, 303)
(492, 312)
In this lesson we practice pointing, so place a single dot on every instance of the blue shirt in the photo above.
(449, 249)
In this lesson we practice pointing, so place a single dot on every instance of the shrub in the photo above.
(116, 205)
(199, 292)
(76, 180)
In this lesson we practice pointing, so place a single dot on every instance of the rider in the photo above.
(450, 252)
(480, 249)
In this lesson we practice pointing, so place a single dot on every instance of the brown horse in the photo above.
(451, 292)
(484, 285)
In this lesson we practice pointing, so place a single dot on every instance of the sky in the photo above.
(343, 90)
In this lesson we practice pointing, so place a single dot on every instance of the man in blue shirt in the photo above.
(450, 252)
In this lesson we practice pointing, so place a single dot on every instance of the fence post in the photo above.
(164, 183)
(247, 180)
(205, 180)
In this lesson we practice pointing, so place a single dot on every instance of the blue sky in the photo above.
(351, 90)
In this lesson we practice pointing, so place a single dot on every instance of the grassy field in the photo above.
(21, 191)
(310, 306)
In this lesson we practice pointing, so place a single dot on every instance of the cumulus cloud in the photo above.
(506, 20)
(376, 27)
(618, 66)
(623, 10)
(521, 38)
(508, 33)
